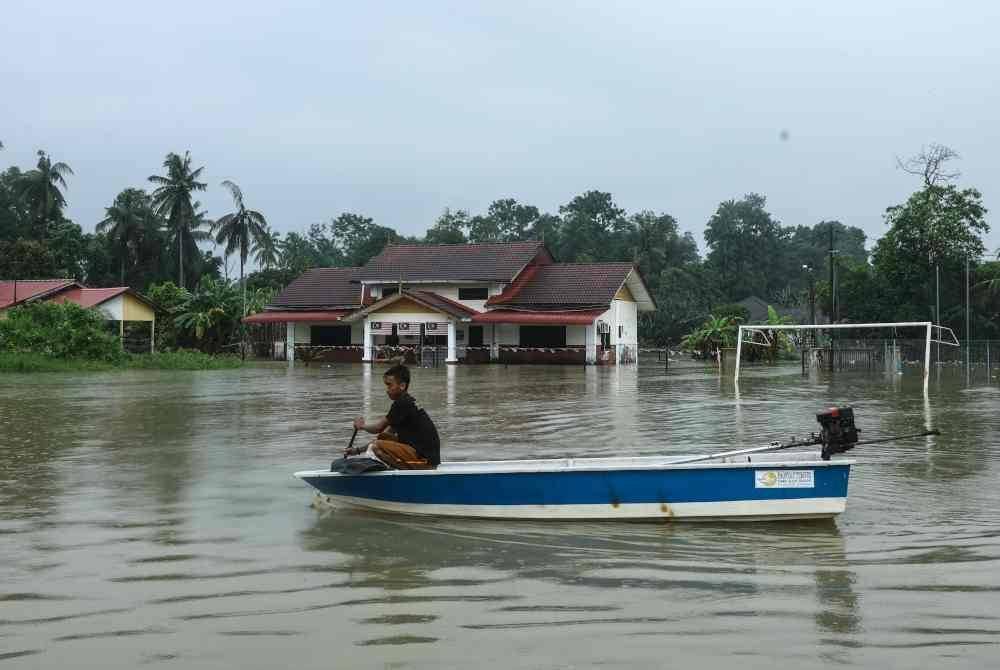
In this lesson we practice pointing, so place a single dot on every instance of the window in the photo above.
(330, 336)
(389, 290)
(605, 339)
(475, 336)
(473, 293)
(543, 336)
(620, 332)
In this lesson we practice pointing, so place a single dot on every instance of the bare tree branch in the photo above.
(929, 164)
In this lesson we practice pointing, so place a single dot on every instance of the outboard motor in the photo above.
(837, 431)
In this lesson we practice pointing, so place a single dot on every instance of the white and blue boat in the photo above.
(743, 486)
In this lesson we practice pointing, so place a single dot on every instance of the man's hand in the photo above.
(359, 423)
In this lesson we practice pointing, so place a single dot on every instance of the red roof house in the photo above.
(477, 301)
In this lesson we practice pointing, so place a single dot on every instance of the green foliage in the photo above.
(937, 226)
(174, 360)
(718, 332)
(39, 190)
(781, 342)
(210, 314)
(26, 362)
(746, 247)
(449, 228)
(182, 360)
(733, 309)
(59, 330)
(133, 232)
(683, 297)
(589, 224)
(173, 201)
(168, 298)
(506, 220)
(147, 238)
(26, 259)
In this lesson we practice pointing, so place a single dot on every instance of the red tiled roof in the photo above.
(27, 289)
(89, 297)
(446, 305)
(292, 316)
(515, 286)
(321, 287)
(568, 284)
(453, 262)
(429, 299)
(583, 317)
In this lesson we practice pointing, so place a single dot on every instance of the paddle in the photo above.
(346, 451)
(351, 443)
(777, 446)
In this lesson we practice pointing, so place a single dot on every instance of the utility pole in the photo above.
(832, 299)
(937, 307)
(967, 330)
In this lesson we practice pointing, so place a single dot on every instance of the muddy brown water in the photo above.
(150, 518)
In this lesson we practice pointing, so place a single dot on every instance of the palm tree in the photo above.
(125, 222)
(241, 231)
(172, 199)
(267, 250)
(39, 188)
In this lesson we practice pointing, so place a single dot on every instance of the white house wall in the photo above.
(626, 315)
(114, 309)
(449, 291)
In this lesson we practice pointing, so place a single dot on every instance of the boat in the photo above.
(758, 483)
(745, 486)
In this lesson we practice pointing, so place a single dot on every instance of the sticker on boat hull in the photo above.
(784, 479)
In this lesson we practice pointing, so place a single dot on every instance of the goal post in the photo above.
(761, 330)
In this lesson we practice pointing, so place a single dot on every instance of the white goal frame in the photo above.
(760, 331)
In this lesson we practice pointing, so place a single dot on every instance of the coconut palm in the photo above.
(39, 189)
(125, 222)
(266, 252)
(172, 200)
(241, 231)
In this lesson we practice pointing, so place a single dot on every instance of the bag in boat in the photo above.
(357, 465)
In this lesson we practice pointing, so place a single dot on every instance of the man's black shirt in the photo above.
(415, 428)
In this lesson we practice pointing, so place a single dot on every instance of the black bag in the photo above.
(357, 466)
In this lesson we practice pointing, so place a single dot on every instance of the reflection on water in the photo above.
(151, 517)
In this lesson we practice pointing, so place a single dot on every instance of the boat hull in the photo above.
(795, 489)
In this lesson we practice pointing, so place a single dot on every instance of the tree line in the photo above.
(150, 237)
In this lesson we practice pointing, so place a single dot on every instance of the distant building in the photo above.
(757, 308)
(119, 304)
(470, 302)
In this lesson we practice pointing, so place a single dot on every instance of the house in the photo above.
(120, 304)
(757, 309)
(312, 308)
(465, 302)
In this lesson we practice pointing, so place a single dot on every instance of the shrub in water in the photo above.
(59, 331)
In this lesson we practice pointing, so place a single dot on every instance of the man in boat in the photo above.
(407, 438)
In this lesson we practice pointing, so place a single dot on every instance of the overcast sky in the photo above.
(398, 110)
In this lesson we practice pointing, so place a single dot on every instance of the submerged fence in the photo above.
(894, 354)
(435, 355)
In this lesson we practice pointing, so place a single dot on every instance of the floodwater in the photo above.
(151, 519)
